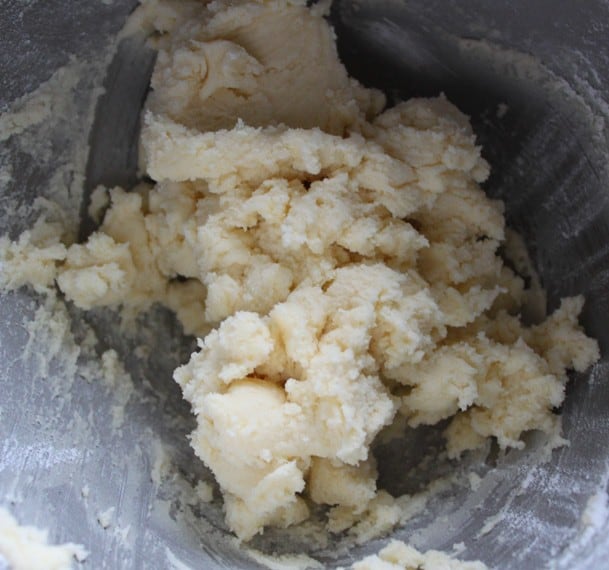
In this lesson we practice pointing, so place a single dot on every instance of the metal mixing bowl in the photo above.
(533, 76)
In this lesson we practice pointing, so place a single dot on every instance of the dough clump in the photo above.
(399, 556)
(339, 264)
(26, 548)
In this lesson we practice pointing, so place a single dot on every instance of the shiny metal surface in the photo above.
(548, 62)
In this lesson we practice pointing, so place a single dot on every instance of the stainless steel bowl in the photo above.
(533, 76)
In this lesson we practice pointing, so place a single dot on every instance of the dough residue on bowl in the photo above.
(26, 547)
(338, 262)
(399, 556)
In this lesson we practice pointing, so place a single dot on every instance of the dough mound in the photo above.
(339, 264)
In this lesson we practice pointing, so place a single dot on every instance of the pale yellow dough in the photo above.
(26, 548)
(338, 263)
(399, 556)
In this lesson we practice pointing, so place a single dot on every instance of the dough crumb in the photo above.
(204, 491)
(106, 517)
(474, 480)
(99, 201)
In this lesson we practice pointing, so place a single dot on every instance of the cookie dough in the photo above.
(26, 548)
(339, 264)
(399, 556)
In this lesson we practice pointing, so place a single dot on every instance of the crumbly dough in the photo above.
(26, 548)
(399, 556)
(339, 265)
